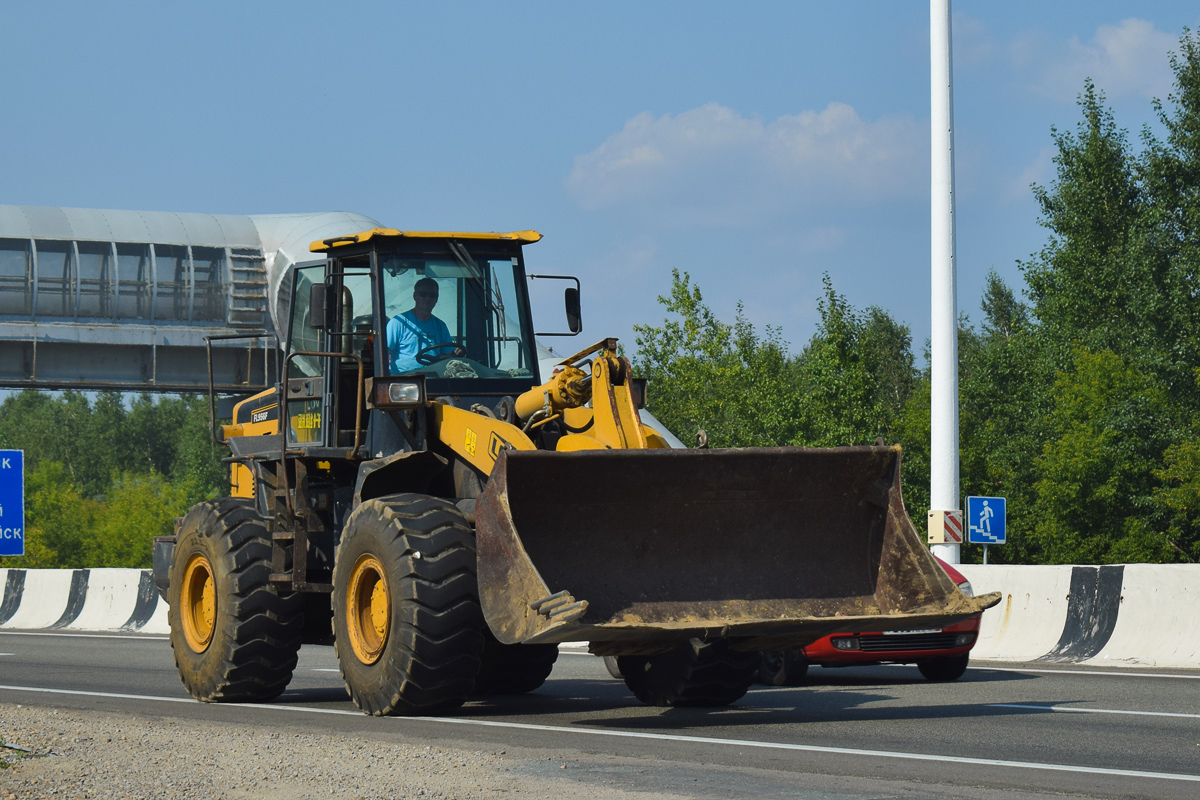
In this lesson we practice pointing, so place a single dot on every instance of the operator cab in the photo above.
(448, 309)
(472, 321)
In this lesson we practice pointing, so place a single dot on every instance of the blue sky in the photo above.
(754, 145)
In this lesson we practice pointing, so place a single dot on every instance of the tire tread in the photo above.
(693, 674)
(433, 649)
(254, 650)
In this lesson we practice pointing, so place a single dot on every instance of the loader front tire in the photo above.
(234, 636)
(408, 629)
(694, 673)
(513, 668)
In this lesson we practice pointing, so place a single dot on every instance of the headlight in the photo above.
(404, 393)
(385, 393)
(965, 588)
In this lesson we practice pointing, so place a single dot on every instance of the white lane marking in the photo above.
(1130, 674)
(325, 669)
(6, 654)
(134, 636)
(1094, 710)
(119, 696)
(662, 737)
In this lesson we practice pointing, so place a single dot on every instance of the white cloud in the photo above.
(711, 165)
(1129, 60)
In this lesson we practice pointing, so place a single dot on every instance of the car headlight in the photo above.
(965, 588)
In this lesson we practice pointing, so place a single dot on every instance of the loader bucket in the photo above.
(633, 550)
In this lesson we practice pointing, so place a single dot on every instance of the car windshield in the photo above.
(454, 311)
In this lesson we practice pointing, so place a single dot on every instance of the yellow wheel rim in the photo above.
(368, 609)
(198, 603)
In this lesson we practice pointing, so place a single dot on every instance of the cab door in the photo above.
(306, 420)
(353, 335)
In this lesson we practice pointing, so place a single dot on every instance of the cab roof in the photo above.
(325, 245)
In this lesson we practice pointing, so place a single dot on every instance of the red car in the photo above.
(941, 655)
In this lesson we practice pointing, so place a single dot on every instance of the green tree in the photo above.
(1088, 284)
(57, 519)
(1170, 174)
(1097, 471)
(102, 477)
(1006, 380)
(707, 374)
(196, 462)
(913, 435)
(1177, 499)
(1114, 300)
(138, 508)
(856, 375)
(849, 385)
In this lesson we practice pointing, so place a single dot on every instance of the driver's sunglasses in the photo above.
(427, 294)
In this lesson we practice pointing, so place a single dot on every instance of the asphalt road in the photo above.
(1003, 731)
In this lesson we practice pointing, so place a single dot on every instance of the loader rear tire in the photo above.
(234, 636)
(694, 673)
(513, 668)
(408, 629)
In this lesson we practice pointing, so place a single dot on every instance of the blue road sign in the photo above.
(12, 503)
(985, 520)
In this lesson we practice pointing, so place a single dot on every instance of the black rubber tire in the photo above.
(614, 669)
(431, 655)
(945, 669)
(513, 668)
(782, 668)
(257, 630)
(694, 673)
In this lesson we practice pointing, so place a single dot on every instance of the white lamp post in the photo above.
(943, 477)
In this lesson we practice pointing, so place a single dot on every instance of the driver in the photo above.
(416, 329)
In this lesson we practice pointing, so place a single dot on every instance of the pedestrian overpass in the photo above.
(97, 299)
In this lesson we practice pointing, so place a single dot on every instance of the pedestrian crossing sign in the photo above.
(986, 520)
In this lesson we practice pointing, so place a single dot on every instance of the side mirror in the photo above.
(574, 315)
(316, 306)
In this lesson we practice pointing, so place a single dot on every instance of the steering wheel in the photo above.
(428, 355)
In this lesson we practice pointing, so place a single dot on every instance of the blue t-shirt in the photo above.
(407, 336)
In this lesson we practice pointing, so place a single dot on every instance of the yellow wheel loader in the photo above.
(457, 514)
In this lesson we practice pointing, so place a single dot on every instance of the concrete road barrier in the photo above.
(1130, 615)
(42, 597)
(1122, 614)
(1029, 620)
(82, 599)
(1158, 624)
